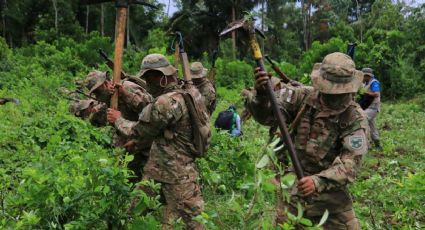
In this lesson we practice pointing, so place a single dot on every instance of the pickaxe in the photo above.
(246, 26)
(182, 57)
(120, 23)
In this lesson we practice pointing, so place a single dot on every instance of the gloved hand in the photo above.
(261, 78)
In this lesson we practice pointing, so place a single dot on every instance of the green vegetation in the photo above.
(59, 172)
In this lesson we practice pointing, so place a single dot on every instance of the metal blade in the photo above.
(233, 26)
(259, 32)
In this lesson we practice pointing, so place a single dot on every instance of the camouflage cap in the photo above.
(197, 70)
(78, 106)
(156, 62)
(367, 71)
(95, 79)
(337, 74)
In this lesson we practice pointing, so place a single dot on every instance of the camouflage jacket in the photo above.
(207, 90)
(130, 105)
(166, 121)
(79, 109)
(330, 144)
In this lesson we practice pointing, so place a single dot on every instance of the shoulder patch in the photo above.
(356, 142)
(288, 94)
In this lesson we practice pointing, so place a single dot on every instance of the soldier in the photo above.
(84, 108)
(245, 93)
(132, 99)
(205, 87)
(330, 136)
(166, 121)
(372, 108)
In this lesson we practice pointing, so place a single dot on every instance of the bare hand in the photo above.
(306, 186)
(112, 115)
(120, 88)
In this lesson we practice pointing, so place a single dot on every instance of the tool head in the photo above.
(246, 24)
(239, 24)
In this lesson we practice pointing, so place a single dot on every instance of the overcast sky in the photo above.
(173, 8)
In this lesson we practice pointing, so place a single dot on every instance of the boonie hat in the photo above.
(337, 74)
(156, 62)
(79, 106)
(197, 70)
(95, 79)
(367, 71)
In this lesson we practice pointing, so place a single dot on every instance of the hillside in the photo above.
(58, 171)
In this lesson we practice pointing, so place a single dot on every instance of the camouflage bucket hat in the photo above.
(367, 71)
(156, 62)
(79, 106)
(337, 74)
(95, 79)
(197, 70)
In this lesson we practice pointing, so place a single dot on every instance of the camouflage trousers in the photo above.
(185, 201)
(180, 201)
(343, 220)
(340, 221)
(337, 221)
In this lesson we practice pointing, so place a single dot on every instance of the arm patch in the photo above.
(356, 142)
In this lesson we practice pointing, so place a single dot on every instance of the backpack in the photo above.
(199, 120)
(224, 120)
(138, 81)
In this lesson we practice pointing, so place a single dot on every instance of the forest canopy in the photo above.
(389, 35)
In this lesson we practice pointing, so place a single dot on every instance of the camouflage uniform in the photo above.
(330, 143)
(167, 123)
(130, 105)
(205, 86)
(246, 93)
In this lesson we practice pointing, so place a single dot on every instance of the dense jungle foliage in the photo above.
(59, 172)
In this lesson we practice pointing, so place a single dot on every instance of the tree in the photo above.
(207, 18)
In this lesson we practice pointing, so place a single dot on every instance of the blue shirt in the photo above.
(375, 86)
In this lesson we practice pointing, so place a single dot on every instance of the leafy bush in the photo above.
(319, 51)
(233, 74)
(57, 171)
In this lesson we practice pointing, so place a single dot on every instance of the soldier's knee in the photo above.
(353, 224)
(342, 221)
